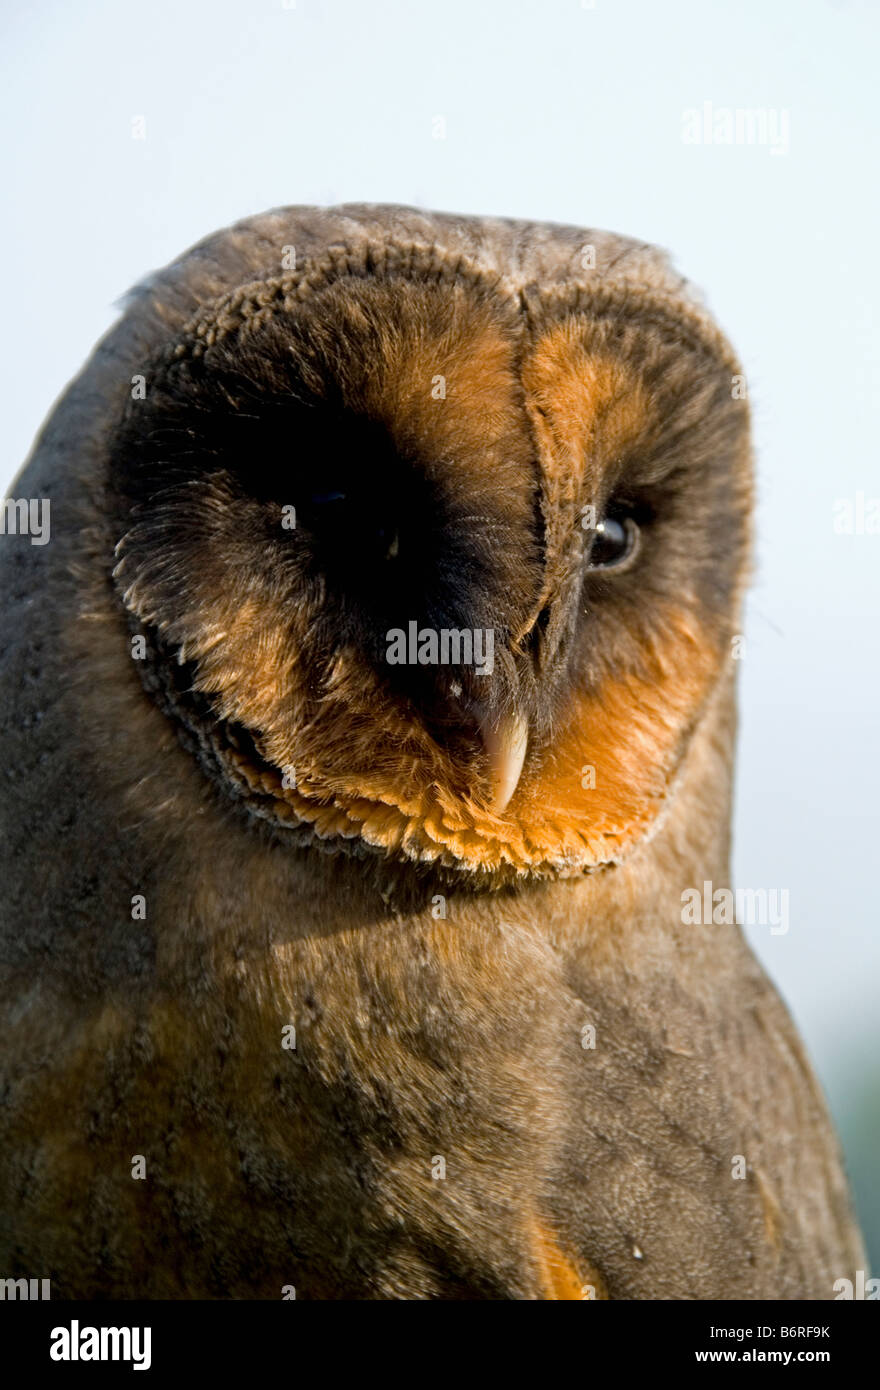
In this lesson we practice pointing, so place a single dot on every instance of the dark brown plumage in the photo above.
(406, 863)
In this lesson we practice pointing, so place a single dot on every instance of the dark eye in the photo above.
(320, 499)
(614, 542)
(357, 521)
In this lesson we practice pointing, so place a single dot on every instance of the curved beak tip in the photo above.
(505, 741)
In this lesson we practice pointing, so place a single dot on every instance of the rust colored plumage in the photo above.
(380, 967)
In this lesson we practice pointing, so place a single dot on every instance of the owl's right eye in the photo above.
(615, 541)
(320, 499)
(352, 520)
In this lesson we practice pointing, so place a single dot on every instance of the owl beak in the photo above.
(505, 740)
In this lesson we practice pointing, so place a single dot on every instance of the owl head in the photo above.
(435, 531)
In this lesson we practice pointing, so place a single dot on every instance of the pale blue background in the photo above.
(573, 113)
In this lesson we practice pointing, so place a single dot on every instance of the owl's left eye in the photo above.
(319, 499)
(356, 521)
(614, 542)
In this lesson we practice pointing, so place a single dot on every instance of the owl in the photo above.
(368, 717)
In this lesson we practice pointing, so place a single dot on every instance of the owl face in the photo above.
(434, 564)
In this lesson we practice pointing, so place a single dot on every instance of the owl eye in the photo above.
(352, 521)
(614, 542)
(320, 499)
